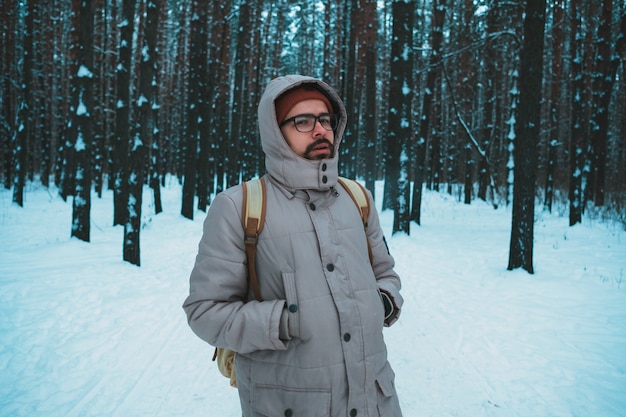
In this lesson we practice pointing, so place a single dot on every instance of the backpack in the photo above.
(253, 220)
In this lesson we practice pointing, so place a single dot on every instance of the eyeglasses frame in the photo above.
(317, 120)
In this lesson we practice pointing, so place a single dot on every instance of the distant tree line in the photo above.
(505, 101)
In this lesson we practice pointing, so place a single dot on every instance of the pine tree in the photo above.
(526, 137)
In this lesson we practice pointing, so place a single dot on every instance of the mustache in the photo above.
(318, 142)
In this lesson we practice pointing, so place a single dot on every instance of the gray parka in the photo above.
(313, 267)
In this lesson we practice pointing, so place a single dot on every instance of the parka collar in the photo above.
(282, 163)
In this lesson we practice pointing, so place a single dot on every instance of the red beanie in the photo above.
(287, 100)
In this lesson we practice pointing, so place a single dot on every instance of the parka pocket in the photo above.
(388, 404)
(276, 401)
(291, 295)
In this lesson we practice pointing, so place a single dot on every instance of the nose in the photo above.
(318, 129)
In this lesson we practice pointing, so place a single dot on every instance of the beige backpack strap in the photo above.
(253, 219)
(359, 196)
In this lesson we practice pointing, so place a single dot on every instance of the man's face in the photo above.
(316, 144)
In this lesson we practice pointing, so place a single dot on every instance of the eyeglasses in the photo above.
(305, 123)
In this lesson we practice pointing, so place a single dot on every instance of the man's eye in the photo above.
(302, 122)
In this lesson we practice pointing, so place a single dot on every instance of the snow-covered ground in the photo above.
(83, 333)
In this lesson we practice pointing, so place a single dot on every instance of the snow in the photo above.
(406, 52)
(141, 100)
(82, 109)
(83, 333)
(406, 89)
(83, 71)
(80, 144)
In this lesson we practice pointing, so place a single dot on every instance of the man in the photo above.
(314, 346)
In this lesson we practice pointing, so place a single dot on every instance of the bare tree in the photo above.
(577, 143)
(24, 115)
(250, 153)
(555, 100)
(9, 92)
(368, 53)
(603, 78)
(155, 164)
(219, 72)
(351, 77)
(400, 113)
(81, 113)
(68, 68)
(197, 80)
(240, 130)
(142, 135)
(526, 137)
(121, 141)
(434, 70)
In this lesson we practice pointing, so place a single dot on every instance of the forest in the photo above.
(516, 103)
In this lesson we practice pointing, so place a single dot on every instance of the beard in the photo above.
(330, 150)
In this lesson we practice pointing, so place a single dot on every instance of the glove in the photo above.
(283, 329)
(387, 305)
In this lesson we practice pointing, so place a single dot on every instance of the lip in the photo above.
(321, 147)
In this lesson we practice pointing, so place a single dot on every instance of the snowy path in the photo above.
(497, 343)
(84, 334)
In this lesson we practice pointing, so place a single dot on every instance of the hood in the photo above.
(282, 163)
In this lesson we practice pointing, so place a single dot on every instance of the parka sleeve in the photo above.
(218, 287)
(383, 263)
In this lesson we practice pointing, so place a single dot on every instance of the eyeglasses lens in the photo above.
(306, 122)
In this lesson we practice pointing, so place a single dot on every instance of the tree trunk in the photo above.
(197, 61)
(577, 141)
(555, 99)
(400, 120)
(469, 168)
(202, 100)
(504, 18)
(220, 58)
(549, 193)
(527, 131)
(436, 164)
(143, 130)
(121, 141)
(351, 69)
(240, 99)
(510, 166)
(603, 79)
(436, 36)
(10, 98)
(25, 113)
(370, 121)
(82, 105)
(366, 99)
(155, 166)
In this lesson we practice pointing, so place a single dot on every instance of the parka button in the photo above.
(347, 337)
(312, 206)
(288, 412)
(324, 167)
(293, 308)
(330, 267)
(324, 179)
(353, 412)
